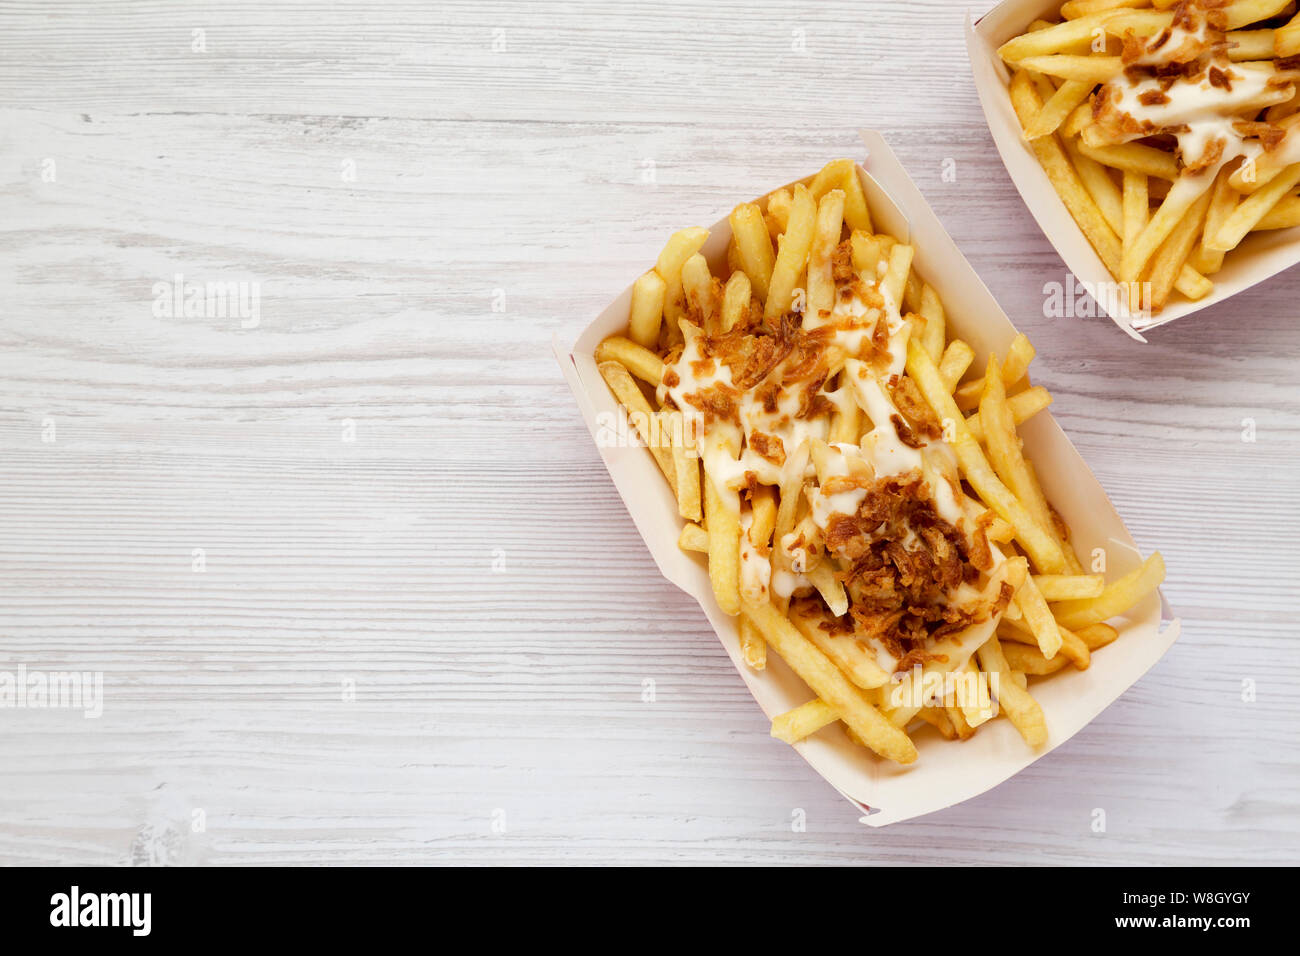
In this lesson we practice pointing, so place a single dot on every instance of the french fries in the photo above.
(683, 244)
(804, 721)
(792, 254)
(1170, 134)
(721, 512)
(648, 294)
(1116, 598)
(830, 684)
(754, 648)
(844, 544)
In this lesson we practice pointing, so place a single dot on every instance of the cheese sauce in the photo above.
(727, 449)
(1203, 109)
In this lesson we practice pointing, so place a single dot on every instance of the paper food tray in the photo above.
(1260, 256)
(947, 772)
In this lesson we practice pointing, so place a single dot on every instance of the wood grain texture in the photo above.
(465, 561)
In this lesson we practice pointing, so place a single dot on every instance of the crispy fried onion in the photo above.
(903, 563)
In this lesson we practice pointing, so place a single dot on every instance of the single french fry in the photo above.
(828, 177)
(637, 359)
(753, 246)
(1083, 69)
(1136, 205)
(1056, 524)
(895, 278)
(1030, 660)
(686, 466)
(790, 492)
(1014, 367)
(693, 538)
(1118, 597)
(868, 252)
(752, 646)
(681, 246)
(736, 296)
(1051, 41)
(1285, 215)
(763, 508)
(1039, 618)
(831, 685)
(1021, 709)
(1069, 587)
(777, 216)
(697, 291)
(1280, 111)
(1077, 121)
(733, 257)
(822, 577)
(1134, 158)
(1192, 284)
(975, 707)
(1020, 353)
(856, 213)
(1073, 9)
(1251, 44)
(820, 453)
(912, 294)
(826, 236)
(1042, 548)
(1012, 613)
(935, 330)
(792, 255)
(956, 360)
(846, 424)
(1024, 406)
(911, 297)
(1256, 172)
(804, 721)
(1239, 13)
(1097, 635)
(1141, 23)
(963, 730)
(640, 414)
(722, 521)
(647, 309)
(938, 718)
(1252, 210)
(1059, 106)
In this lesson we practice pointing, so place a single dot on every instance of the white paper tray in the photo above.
(947, 772)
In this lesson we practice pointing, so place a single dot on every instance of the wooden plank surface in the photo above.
(426, 196)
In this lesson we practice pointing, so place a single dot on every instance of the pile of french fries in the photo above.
(1162, 222)
(1052, 614)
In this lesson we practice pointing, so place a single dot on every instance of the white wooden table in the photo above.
(425, 195)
